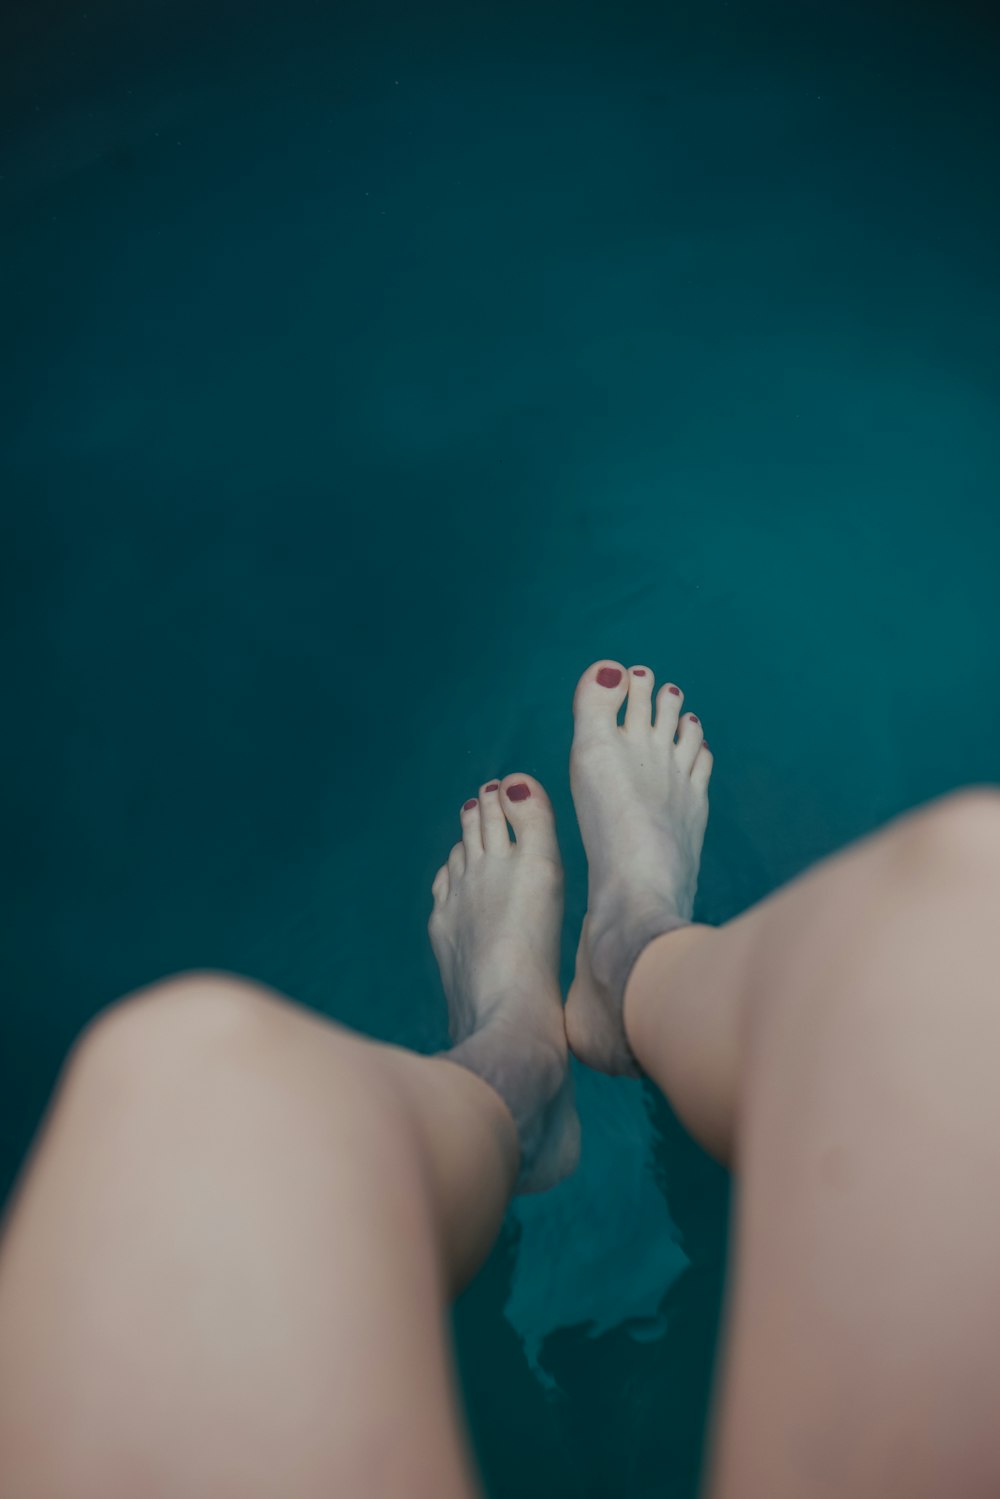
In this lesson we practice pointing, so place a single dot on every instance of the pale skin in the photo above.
(227, 1265)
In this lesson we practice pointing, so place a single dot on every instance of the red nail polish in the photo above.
(468, 806)
(519, 793)
(609, 676)
(675, 690)
(640, 671)
(492, 786)
(694, 718)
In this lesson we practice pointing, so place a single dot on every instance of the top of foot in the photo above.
(495, 930)
(641, 796)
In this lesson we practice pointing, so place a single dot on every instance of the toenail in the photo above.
(693, 717)
(492, 786)
(675, 690)
(520, 792)
(609, 676)
(468, 806)
(639, 671)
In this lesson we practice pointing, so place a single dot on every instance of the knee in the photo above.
(954, 837)
(177, 1022)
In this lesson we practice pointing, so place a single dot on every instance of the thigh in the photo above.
(700, 1000)
(221, 1272)
(863, 1353)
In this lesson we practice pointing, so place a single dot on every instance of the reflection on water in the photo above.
(601, 1250)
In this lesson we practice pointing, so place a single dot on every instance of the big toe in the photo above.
(529, 812)
(599, 695)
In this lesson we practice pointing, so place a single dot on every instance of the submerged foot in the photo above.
(495, 933)
(641, 796)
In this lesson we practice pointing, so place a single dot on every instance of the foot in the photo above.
(495, 932)
(641, 795)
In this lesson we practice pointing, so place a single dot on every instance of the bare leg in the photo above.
(839, 1041)
(226, 1270)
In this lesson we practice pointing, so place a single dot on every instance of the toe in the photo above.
(639, 708)
(472, 832)
(599, 694)
(529, 812)
(668, 707)
(439, 889)
(701, 771)
(496, 839)
(456, 863)
(690, 737)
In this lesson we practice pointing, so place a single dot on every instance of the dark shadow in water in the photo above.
(625, 1408)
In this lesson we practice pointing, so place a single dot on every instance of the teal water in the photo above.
(363, 381)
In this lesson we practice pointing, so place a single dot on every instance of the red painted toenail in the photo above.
(492, 786)
(468, 806)
(609, 676)
(675, 690)
(639, 671)
(520, 792)
(693, 717)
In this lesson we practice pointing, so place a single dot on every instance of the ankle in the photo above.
(683, 1040)
(616, 949)
(526, 1072)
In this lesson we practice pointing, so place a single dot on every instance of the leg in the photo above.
(226, 1269)
(839, 1042)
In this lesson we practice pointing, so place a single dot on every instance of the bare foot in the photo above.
(495, 933)
(641, 798)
